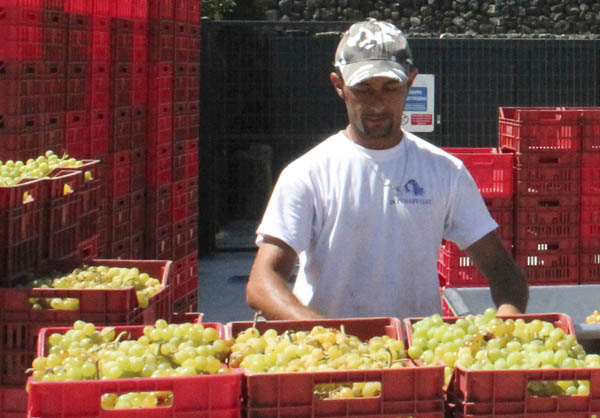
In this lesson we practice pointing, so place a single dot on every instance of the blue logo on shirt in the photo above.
(412, 185)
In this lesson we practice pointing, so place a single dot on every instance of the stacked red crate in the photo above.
(589, 260)
(184, 209)
(32, 72)
(20, 228)
(547, 143)
(493, 174)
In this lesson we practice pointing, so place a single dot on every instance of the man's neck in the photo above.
(373, 143)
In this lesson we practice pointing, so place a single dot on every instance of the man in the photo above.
(366, 209)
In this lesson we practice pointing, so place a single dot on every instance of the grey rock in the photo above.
(524, 29)
(561, 27)
(426, 11)
(272, 15)
(328, 14)
(376, 14)
(486, 28)
(492, 10)
(415, 21)
(285, 6)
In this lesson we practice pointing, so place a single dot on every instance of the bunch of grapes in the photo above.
(96, 277)
(321, 349)
(136, 400)
(485, 342)
(12, 172)
(593, 318)
(164, 350)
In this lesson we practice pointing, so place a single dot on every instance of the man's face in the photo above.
(375, 106)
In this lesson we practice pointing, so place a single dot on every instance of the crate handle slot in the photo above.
(551, 386)
(549, 203)
(549, 160)
(164, 399)
(334, 391)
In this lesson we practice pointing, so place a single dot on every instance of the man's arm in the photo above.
(508, 284)
(267, 290)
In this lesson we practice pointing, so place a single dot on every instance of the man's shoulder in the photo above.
(432, 153)
(322, 152)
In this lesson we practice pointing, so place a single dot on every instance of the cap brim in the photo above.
(357, 72)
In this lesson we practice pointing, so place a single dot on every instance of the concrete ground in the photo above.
(222, 279)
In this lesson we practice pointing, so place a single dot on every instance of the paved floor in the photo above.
(222, 279)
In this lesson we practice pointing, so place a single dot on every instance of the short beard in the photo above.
(385, 132)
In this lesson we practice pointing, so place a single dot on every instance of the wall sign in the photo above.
(418, 113)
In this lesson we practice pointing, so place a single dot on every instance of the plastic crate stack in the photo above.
(172, 143)
(493, 174)
(589, 268)
(32, 79)
(547, 145)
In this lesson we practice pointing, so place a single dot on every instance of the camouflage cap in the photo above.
(373, 49)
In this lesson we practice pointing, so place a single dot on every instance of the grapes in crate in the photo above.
(321, 349)
(163, 350)
(486, 342)
(12, 172)
(95, 277)
(593, 318)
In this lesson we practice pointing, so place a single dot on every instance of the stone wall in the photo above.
(455, 18)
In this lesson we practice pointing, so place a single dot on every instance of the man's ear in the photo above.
(413, 75)
(338, 84)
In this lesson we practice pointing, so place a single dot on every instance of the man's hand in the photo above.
(507, 310)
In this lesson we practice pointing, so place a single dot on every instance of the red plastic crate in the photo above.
(456, 268)
(589, 266)
(138, 210)
(591, 129)
(527, 130)
(201, 396)
(194, 11)
(118, 178)
(549, 267)
(88, 248)
(503, 393)
(21, 235)
(411, 390)
(161, 9)
(159, 242)
(547, 217)
(120, 219)
(502, 210)
(20, 324)
(13, 401)
(15, 196)
(491, 170)
(590, 222)
(159, 165)
(187, 303)
(590, 173)
(137, 246)
(547, 188)
(61, 214)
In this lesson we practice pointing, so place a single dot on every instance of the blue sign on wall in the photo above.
(417, 100)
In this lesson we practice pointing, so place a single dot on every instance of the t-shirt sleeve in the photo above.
(290, 212)
(468, 218)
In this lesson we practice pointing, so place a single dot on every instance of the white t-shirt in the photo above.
(367, 224)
